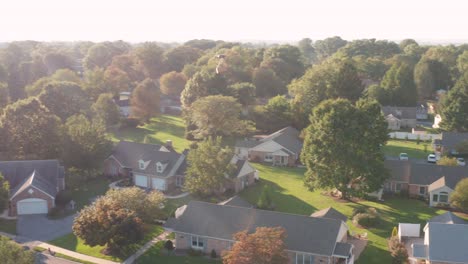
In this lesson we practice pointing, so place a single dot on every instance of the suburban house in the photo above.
(449, 142)
(34, 184)
(421, 112)
(124, 103)
(282, 148)
(160, 167)
(205, 227)
(150, 166)
(405, 115)
(170, 104)
(433, 182)
(445, 241)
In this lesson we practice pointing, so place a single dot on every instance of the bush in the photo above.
(55, 211)
(398, 251)
(169, 245)
(265, 202)
(130, 122)
(63, 198)
(358, 210)
(194, 253)
(367, 219)
(213, 254)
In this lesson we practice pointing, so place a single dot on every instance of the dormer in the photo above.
(143, 164)
(160, 167)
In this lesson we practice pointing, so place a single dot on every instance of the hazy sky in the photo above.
(180, 20)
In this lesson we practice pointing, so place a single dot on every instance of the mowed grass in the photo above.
(157, 131)
(412, 148)
(86, 192)
(157, 254)
(8, 226)
(73, 243)
(290, 195)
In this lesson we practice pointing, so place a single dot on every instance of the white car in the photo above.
(461, 162)
(431, 158)
(403, 156)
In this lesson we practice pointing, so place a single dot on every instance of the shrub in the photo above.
(213, 254)
(130, 122)
(398, 251)
(369, 218)
(169, 245)
(63, 198)
(265, 202)
(55, 211)
(395, 231)
(194, 253)
(358, 210)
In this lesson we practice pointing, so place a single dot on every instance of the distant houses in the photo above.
(449, 142)
(400, 117)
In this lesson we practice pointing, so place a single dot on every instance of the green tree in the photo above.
(267, 83)
(447, 161)
(151, 58)
(64, 99)
(406, 42)
(454, 110)
(30, 131)
(106, 110)
(95, 83)
(399, 84)
(4, 96)
(208, 165)
(243, 92)
(100, 55)
(264, 201)
(86, 145)
(327, 47)
(286, 61)
(66, 75)
(459, 198)
(276, 114)
(106, 223)
(173, 83)
(307, 50)
(12, 253)
(203, 83)
(340, 151)
(180, 56)
(218, 115)
(117, 79)
(462, 62)
(147, 206)
(4, 193)
(145, 100)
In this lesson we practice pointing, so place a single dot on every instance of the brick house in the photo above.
(433, 182)
(281, 148)
(243, 176)
(405, 115)
(205, 227)
(34, 184)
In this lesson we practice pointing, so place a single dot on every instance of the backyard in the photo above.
(157, 254)
(414, 150)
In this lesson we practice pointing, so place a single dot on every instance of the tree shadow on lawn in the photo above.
(283, 202)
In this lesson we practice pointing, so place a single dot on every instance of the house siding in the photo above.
(25, 195)
(259, 156)
(236, 184)
(413, 190)
(111, 163)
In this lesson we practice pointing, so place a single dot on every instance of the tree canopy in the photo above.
(145, 100)
(454, 110)
(459, 198)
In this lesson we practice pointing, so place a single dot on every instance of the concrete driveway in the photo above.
(39, 227)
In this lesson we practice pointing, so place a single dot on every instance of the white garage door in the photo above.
(159, 184)
(32, 206)
(141, 181)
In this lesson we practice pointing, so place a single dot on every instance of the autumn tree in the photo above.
(145, 100)
(217, 115)
(340, 151)
(173, 83)
(447, 161)
(105, 223)
(106, 110)
(208, 166)
(4, 193)
(459, 198)
(117, 79)
(30, 130)
(151, 58)
(265, 246)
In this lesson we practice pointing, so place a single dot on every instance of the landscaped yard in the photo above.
(412, 148)
(73, 243)
(157, 254)
(291, 196)
(8, 226)
(86, 192)
(160, 129)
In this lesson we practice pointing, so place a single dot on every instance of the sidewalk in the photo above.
(75, 255)
(145, 248)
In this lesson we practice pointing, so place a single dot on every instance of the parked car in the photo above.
(461, 162)
(432, 158)
(403, 156)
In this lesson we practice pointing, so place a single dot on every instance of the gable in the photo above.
(268, 146)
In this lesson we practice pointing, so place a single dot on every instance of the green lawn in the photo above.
(8, 226)
(83, 194)
(157, 131)
(71, 242)
(412, 148)
(290, 195)
(157, 254)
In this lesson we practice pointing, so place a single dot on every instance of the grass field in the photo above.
(8, 226)
(291, 196)
(157, 131)
(412, 148)
(157, 254)
(71, 242)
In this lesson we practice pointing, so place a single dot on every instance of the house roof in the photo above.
(447, 242)
(400, 170)
(426, 174)
(448, 218)
(236, 201)
(331, 213)
(243, 167)
(400, 112)
(287, 137)
(451, 139)
(43, 174)
(129, 154)
(306, 234)
(420, 251)
(391, 117)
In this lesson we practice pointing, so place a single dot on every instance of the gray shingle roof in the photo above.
(399, 170)
(47, 173)
(426, 174)
(247, 143)
(305, 234)
(236, 201)
(129, 153)
(342, 249)
(448, 243)
(448, 218)
(287, 137)
(400, 112)
(331, 213)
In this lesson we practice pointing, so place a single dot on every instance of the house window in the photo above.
(197, 242)
(435, 198)
(141, 164)
(179, 181)
(159, 168)
(304, 258)
(443, 197)
(422, 190)
(268, 157)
